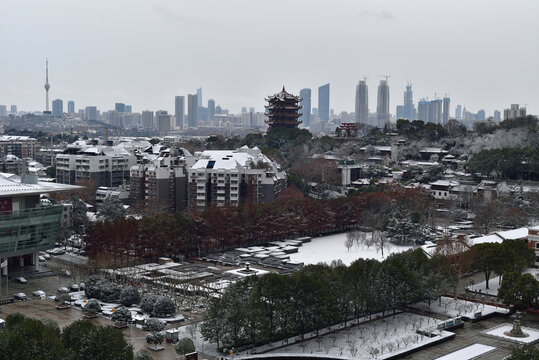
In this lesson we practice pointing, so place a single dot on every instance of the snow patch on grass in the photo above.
(331, 247)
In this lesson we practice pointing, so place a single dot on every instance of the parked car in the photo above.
(21, 280)
(58, 251)
(74, 287)
(45, 255)
(63, 289)
(19, 296)
(39, 294)
(81, 286)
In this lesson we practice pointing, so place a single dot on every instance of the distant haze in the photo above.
(484, 54)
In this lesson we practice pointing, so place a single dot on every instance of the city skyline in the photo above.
(82, 72)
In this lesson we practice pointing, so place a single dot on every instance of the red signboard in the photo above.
(6, 204)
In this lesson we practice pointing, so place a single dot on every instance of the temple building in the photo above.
(283, 110)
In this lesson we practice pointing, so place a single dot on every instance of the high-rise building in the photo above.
(57, 108)
(362, 102)
(90, 113)
(179, 111)
(481, 115)
(400, 112)
(71, 107)
(515, 111)
(409, 111)
(163, 121)
(382, 107)
(252, 109)
(120, 107)
(3, 110)
(14, 109)
(423, 110)
(128, 108)
(192, 110)
(431, 111)
(305, 95)
(147, 119)
(115, 118)
(199, 97)
(458, 112)
(445, 110)
(323, 102)
(211, 111)
(435, 111)
(497, 116)
(244, 109)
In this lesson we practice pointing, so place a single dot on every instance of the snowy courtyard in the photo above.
(332, 247)
(378, 339)
(501, 330)
(455, 307)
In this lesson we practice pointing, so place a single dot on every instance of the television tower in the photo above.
(47, 86)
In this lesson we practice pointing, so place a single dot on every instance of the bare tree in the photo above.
(379, 240)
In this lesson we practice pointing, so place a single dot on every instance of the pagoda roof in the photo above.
(282, 96)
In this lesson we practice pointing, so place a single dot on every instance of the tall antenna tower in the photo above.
(47, 86)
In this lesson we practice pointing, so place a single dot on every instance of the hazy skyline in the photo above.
(482, 53)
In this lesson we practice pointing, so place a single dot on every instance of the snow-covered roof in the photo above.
(433, 150)
(10, 185)
(514, 234)
(492, 238)
(230, 159)
(444, 183)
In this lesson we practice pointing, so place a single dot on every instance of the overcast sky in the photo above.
(484, 54)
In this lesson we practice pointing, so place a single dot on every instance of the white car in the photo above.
(74, 287)
(63, 289)
(20, 296)
(42, 258)
(21, 280)
(39, 294)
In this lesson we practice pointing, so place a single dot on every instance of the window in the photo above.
(537, 245)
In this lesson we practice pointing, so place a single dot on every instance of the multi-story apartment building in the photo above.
(13, 165)
(231, 177)
(174, 180)
(106, 165)
(47, 156)
(20, 146)
(160, 178)
(515, 111)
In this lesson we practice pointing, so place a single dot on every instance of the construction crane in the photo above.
(386, 76)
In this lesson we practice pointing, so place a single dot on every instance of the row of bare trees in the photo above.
(215, 229)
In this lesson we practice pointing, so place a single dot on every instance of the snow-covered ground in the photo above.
(331, 247)
(455, 307)
(382, 338)
(469, 352)
(494, 283)
(500, 330)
